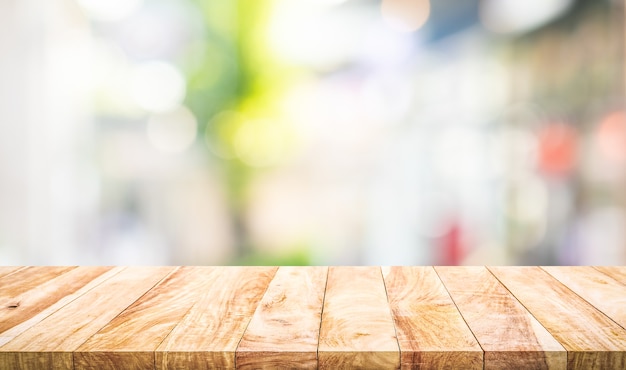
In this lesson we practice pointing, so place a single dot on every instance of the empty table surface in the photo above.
(206, 317)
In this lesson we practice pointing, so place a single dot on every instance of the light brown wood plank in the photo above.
(6, 270)
(36, 360)
(25, 310)
(357, 329)
(29, 278)
(14, 286)
(616, 272)
(510, 336)
(207, 337)
(131, 338)
(603, 292)
(50, 343)
(431, 332)
(592, 340)
(284, 330)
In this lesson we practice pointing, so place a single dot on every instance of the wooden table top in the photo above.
(312, 317)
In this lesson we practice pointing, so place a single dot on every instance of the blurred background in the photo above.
(403, 132)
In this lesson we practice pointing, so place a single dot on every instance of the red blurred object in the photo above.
(611, 137)
(557, 149)
(451, 245)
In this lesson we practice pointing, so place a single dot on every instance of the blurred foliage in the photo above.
(293, 257)
(233, 86)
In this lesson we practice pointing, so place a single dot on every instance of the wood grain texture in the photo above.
(284, 330)
(16, 291)
(357, 329)
(603, 292)
(616, 272)
(14, 287)
(510, 336)
(269, 317)
(430, 329)
(36, 361)
(15, 284)
(25, 310)
(207, 337)
(593, 341)
(6, 270)
(50, 343)
(131, 338)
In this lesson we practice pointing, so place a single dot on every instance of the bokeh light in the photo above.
(602, 236)
(611, 137)
(157, 86)
(172, 131)
(262, 142)
(405, 15)
(511, 16)
(557, 150)
(313, 132)
(108, 11)
(314, 34)
(220, 133)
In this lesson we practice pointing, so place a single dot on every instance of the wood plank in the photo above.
(25, 310)
(208, 335)
(510, 336)
(603, 292)
(14, 286)
(357, 329)
(284, 330)
(129, 340)
(616, 272)
(50, 343)
(431, 332)
(6, 270)
(593, 341)
(20, 282)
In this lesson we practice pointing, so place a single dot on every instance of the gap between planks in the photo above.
(319, 331)
(488, 309)
(44, 342)
(463, 317)
(421, 307)
(395, 328)
(591, 338)
(580, 291)
(209, 334)
(602, 291)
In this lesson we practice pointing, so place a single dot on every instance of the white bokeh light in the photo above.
(405, 15)
(173, 131)
(109, 10)
(514, 16)
(157, 86)
(317, 36)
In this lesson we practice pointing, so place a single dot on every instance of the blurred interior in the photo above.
(332, 132)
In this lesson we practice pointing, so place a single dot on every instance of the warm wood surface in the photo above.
(16, 285)
(602, 291)
(510, 336)
(31, 307)
(208, 335)
(312, 317)
(616, 272)
(5, 270)
(132, 337)
(285, 328)
(357, 329)
(592, 340)
(431, 331)
(51, 342)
